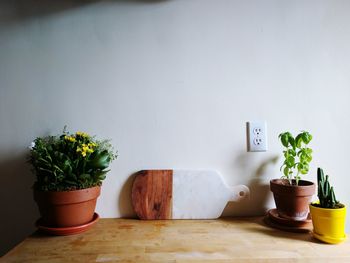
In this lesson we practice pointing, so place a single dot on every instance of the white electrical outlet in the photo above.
(256, 136)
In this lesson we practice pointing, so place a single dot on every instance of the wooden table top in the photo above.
(221, 240)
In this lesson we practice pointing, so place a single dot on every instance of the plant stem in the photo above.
(297, 178)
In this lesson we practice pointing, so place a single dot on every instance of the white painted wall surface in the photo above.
(172, 83)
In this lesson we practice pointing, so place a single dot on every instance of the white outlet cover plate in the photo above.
(256, 136)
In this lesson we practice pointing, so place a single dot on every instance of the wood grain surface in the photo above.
(152, 194)
(221, 240)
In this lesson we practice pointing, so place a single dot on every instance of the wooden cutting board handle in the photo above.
(152, 194)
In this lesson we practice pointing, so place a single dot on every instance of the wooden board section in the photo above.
(152, 194)
(222, 240)
(183, 194)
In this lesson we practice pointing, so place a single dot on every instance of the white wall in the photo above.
(172, 83)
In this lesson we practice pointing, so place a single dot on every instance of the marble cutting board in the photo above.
(182, 194)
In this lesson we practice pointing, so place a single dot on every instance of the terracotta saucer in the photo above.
(274, 216)
(274, 224)
(65, 231)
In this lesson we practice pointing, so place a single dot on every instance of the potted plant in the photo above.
(328, 215)
(291, 194)
(69, 170)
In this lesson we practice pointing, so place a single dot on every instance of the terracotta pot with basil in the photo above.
(69, 171)
(293, 195)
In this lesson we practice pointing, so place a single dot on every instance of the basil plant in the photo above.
(297, 155)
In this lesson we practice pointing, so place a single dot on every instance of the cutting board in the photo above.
(182, 194)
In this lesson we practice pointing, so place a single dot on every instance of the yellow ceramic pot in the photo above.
(329, 224)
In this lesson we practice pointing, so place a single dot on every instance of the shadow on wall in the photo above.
(17, 10)
(259, 190)
(125, 204)
(18, 209)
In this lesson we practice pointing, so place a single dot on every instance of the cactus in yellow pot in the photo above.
(328, 215)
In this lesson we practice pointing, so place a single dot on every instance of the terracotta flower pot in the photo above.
(67, 208)
(292, 202)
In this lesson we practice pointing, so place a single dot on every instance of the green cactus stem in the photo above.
(325, 191)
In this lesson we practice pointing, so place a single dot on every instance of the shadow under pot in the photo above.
(67, 208)
(292, 201)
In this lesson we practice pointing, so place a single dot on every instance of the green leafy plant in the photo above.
(70, 161)
(326, 193)
(297, 156)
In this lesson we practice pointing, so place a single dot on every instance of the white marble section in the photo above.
(202, 194)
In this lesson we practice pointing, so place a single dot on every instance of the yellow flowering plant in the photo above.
(70, 161)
